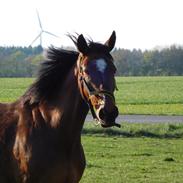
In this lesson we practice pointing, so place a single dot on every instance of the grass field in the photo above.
(12, 88)
(138, 153)
(136, 95)
(150, 95)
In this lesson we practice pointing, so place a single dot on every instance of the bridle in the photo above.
(92, 91)
(86, 84)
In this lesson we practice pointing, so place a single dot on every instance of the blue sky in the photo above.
(141, 24)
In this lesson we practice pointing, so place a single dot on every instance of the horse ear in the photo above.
(82, 45)
(111, 41)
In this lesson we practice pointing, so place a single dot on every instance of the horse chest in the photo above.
(54, 162)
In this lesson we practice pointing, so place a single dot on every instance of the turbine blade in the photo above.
(39, 20)
(51, 34)
(35, 39)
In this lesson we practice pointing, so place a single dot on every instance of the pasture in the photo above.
(136, 95)
(136, 153)
(150, 95)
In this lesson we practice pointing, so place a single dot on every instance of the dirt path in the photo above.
(145, 119)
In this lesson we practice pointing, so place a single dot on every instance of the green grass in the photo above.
(138, 153)
(136, 95)
(13, 88)
(150, 95)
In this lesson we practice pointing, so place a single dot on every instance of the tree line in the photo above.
(19, 61)
(24, 61)
(164, 62)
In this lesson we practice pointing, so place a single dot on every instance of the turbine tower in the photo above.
(39, 36)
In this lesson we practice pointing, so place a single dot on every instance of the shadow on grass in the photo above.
(123, 133)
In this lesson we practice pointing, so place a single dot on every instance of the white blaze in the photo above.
(101, 65)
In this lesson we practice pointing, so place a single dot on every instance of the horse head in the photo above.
(96, 78)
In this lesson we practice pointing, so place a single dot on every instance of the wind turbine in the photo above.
(39, 36)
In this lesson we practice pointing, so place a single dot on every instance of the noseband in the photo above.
(92, 91)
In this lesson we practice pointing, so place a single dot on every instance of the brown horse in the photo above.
(40, 133)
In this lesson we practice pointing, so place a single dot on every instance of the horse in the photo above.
(40, 133)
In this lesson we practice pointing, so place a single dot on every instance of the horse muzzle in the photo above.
(101, 104)
(106, 118)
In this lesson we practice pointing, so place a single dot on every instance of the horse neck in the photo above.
(71, 107)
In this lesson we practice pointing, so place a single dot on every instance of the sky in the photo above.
(144, 24)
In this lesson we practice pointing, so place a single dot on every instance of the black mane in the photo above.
(51, 74)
